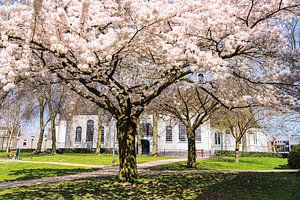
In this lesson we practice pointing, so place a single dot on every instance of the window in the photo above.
(25, 141)
(255, 138)
(90, 131)
(78, 134)
(102, 134)
(182, 133)
(198, 134)
(217, 138)
(146, 129)
(169, 136)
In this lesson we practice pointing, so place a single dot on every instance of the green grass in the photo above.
(91, 159)
(227, 163)
(23, 171)
(215, 186)
(2, 154)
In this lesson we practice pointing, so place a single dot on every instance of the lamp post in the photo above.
(18, 148)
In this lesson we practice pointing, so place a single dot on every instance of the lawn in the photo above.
(227, 163)
(197, 186)
(77, 158)
(23, 171)
(92, 159)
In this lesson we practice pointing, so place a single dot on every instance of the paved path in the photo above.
(103, 171)
(142, 169)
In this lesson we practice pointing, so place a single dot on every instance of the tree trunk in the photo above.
(191, 163)
(126, 136)
(42, 129)
(98, 147)
(155, 134)
(237, 151)
(53, 132)
(8, 142)
(139, 137)
(245, 143)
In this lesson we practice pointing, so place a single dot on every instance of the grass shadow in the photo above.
(196, 186)
(273, 186)
(282, 167)
(147, 187)
(27, 174)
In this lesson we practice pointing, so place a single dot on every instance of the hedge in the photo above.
(226, 153)
(294, 158)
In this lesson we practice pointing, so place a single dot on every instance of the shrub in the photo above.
(226, 153)
(82, 150)
(294, 157)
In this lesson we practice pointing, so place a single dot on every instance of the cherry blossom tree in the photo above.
(237, 122)
(192, 107)
(16, 109)
(122, 54)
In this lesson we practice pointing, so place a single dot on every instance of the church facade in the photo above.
(81, 131)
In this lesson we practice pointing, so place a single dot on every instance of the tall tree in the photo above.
(99, 139)
(192, 107)
(237, 123)
(118, 55)
(55, 97)
(139, 136)
(155, 134)
(17, 108)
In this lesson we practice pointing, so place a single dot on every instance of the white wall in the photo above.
(228, 142)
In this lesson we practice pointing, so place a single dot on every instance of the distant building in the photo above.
(254, 140)
(4, 136)
(80, 131)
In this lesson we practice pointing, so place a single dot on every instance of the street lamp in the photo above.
(18, 149)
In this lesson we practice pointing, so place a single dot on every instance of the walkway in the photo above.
(113, 171)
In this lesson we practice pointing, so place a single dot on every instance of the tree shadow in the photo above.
(255, 186)
(282, 167)
(147, 187)
(27, 174)
(194, 186)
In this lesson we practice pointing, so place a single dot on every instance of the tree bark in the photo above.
(8, 142)
(126, 137)
(155, 135)
(191, 163)
(245, 144)
(237, 151)
(53, 132)
(139, 137)
(42, 128)
(98, 147)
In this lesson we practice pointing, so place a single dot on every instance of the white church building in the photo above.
(80, 131)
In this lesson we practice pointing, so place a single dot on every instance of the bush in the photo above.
(81, 150)
(294, 158)
(226, 153)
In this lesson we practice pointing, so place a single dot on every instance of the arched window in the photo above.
(102, 134)
(182, 132)
(89, 130)
(217, 138)
(78, 134)
(198, 134)
(146, 129)
(169, 135)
